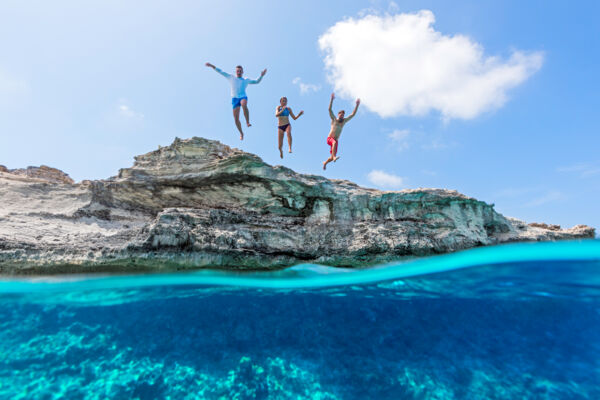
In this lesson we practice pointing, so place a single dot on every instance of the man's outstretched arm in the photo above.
(225, 74)
(353, 112)
(255, 81)
(331, 105)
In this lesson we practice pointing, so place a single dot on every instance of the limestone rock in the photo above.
(42, 172)
(545, 226)
(199, 203)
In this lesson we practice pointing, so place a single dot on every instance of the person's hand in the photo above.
(264, 72)
(301, 112)
(357, 102)
(210, 65)
(332, 96)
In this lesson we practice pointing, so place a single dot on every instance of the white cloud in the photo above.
(385, 180)
(400, 65)
(583, 169)
(517, 192)
(125, 111)
(438, 144)
(377, 6)
(122, 117)
(530, 196)
(306, 87)
(548, 197)
(400, 138)
(403, 139)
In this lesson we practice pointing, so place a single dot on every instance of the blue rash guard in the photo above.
(238, 85)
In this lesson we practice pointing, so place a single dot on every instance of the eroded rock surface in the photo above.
(199, 203)
(43, 173)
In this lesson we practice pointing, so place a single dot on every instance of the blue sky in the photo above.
(497, 100)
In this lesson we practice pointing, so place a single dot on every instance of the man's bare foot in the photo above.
(325, 165)
(249, 124)
(241, 136)
(290, 150)
(280, 153)
(336, 158)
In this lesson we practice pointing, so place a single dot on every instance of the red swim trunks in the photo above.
(331, 141)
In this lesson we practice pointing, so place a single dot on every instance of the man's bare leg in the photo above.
(236, 117)
(244, 104)
(330, 159)
(334, 151)
(289, 136)
(280, 134)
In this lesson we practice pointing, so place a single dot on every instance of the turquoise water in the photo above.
(508, 322)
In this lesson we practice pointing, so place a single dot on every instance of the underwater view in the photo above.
(505, 322)
(330, 200)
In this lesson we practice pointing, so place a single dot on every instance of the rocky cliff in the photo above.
(199, 203)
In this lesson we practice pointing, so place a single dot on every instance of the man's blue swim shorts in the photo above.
(237, 101)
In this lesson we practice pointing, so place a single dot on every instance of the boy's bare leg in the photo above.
(289, 136)
(236, 117)
(244, 104)
(280, 134)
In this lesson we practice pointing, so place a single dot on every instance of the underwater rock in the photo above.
(199, 203)
(60, 363)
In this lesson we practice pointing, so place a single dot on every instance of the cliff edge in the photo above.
(199, 203)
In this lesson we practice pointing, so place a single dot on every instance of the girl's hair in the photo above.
(282, 98)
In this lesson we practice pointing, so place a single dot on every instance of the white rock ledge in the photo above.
(198, 203)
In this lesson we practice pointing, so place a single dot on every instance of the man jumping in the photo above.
(238, 93)
(337, 124)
